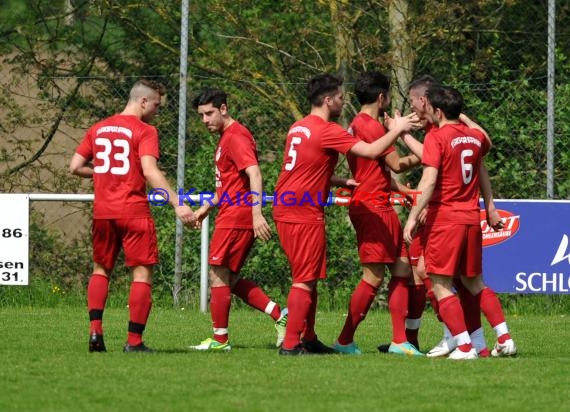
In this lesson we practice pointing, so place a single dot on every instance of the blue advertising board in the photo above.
(532, 252)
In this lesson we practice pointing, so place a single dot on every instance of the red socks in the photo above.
(470, 305)
(493, 311)
(452, 315)
(254, 296)
(140, 302)
(431, 297)
(97, 292)
(299, 304)
(491, 307)
(220, 302)
(358, 307)
(309, 331)
(398, 307)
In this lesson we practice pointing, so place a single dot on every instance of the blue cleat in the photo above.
(405, 348)
(350, 349)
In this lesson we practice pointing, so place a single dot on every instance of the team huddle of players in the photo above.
(443, 261)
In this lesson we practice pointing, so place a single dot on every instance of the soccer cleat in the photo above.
(280, 327)
(416, 344)
(350, 349)
(96, 343)
(140, 348)
(458, 354)
(383, 348)
(443, 348)
(507, 348)
(212, 345)
(317, 347)
(484, 353)
(298, 350)
(405, 348)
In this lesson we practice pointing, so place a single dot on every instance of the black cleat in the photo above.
(296, 351)
(141, 347)
(317, 347)
(96, 343)
(383, 348)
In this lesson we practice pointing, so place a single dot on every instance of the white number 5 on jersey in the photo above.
(292, 153)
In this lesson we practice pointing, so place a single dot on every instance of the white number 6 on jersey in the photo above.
(466, 168)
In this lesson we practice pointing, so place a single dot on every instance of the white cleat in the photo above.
(443, 348)
(458, 354)
(504, 349)
(280, 327)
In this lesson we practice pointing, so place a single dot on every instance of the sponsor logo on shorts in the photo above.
(511, 224)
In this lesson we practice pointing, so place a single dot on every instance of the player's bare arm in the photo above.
(80, 166)
(426, 188)
(399, 164)
(398, 125)
(261, 228)
(415, 146)
(493, 218)
(343, 181)
(474, 125)
(203, 211)
(156, 179)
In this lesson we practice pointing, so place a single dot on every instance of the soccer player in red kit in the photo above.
(124, 151)
(239, 220)
(378, 230)
(311, 154)
(452, 157)
(470, 303)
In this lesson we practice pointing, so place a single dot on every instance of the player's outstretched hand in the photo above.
(494, 220)
(261, 228)
(409, 230)
(405, 123)
(351, 183)
(185, 214)
(199, 215)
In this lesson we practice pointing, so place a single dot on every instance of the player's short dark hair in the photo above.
(424, 81)
(322, 85)
(447, 99)
(370, 85)
(211, 95)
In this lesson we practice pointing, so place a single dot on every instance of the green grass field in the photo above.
(46, 367)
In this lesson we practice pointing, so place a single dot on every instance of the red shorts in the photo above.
(306, 249)
(230, 247)
(137, 236)
(379, 236)
(454, 249)
(416, 249)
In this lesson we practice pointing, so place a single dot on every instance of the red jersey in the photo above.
(236, 152)
(456, 151)
(311, 153)
(116, 145)
(373, 192)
